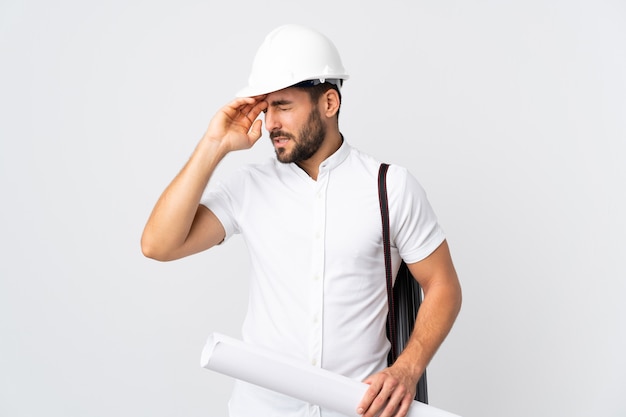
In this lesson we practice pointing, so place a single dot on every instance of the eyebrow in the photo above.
(280, 103)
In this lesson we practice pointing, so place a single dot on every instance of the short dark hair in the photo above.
(316, 91)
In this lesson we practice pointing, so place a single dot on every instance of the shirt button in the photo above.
(313, 362)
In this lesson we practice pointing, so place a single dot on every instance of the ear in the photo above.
(330, 103)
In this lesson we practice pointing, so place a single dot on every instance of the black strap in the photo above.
(384, 212)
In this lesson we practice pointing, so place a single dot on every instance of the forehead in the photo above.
(289, 94)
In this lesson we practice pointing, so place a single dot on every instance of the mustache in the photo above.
(279, 133)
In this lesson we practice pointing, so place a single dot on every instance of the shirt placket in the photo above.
(318, 276)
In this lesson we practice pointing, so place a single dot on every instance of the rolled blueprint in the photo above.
(270, 370)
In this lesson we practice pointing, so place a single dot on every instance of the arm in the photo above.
(179, 226)
(393, 389)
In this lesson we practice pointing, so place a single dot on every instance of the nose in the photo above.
(272, 121)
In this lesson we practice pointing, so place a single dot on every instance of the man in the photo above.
(311, 222)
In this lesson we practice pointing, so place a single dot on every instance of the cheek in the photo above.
(289, 123)
(277, 118)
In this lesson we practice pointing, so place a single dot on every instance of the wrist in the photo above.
(214, 147)
(411, 365)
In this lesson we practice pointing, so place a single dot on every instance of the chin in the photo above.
(283, 156)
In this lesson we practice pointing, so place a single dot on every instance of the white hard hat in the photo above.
(289, 55)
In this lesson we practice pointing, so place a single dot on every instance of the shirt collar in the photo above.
(336, 158)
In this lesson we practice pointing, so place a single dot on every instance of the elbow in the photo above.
(148, 252)
(151, 249)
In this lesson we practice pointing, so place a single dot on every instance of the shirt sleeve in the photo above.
(415, 230)
(218, 198)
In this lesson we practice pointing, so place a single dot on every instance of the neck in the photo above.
(332, 142)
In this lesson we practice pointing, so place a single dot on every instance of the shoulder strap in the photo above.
(384, 213)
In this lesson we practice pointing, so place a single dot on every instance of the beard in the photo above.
(307, 143)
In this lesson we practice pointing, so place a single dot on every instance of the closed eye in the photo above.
(281, 104)
(280, 108)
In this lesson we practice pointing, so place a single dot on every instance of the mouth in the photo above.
(280, 139)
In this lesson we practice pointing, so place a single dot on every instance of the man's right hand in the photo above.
(235, 126)
(179, 225)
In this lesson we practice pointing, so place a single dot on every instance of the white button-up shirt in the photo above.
(317, 285)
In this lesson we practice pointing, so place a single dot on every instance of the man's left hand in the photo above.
(390, 393)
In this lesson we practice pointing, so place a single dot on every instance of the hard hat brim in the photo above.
(253, 91)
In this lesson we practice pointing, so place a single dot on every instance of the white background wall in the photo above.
(511, 113)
